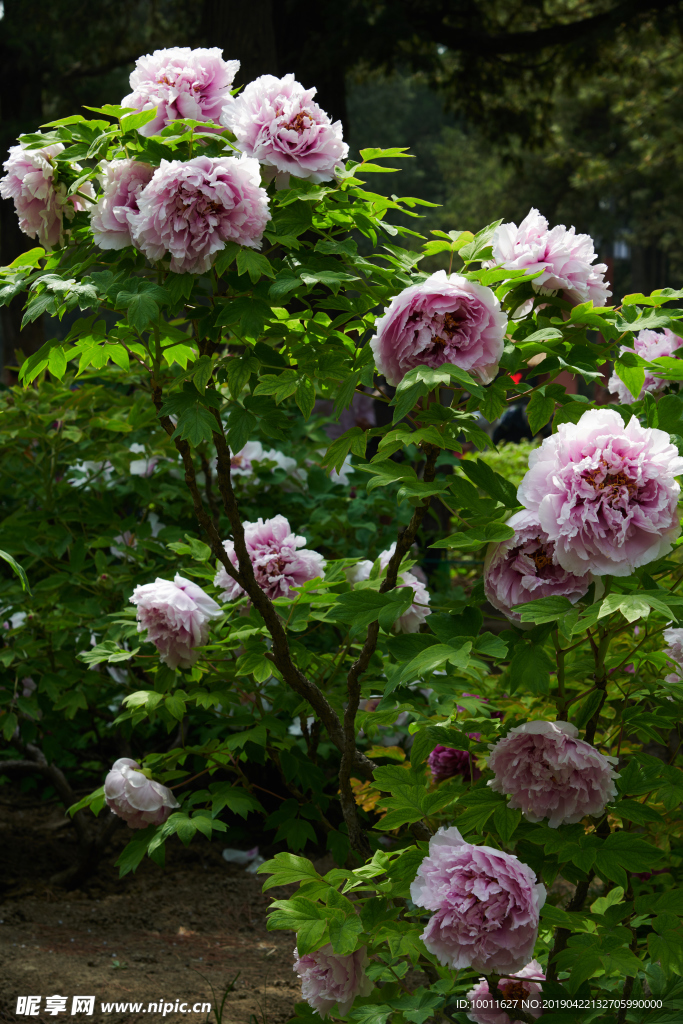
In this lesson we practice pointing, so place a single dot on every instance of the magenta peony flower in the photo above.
(328, 979)
(484, 1009)
(525, 568)
(674, 651)
(123, 181)
(279, 565)
(412, 619)
(549, 773)
(605, 493)
(565, 258)
(40, 202)
(650, 345)
(447, 762)
(277, 121)
(175, 615)
(181, 83)
(135, 798)
(443, 320)
(486, 905)
(190, 209)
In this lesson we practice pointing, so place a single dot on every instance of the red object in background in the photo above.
(516, 377)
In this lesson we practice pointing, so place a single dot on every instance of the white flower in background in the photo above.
(14, 621)
(128, 539)
(141, 467)
(90, 474)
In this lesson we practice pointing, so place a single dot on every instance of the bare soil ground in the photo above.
(158, 935)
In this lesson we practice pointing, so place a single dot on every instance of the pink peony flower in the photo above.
(181, 83)
(484, 1009)
(565, 258)
(135, 798)
(412, 619)
(328, 979)
(525, 568)
(605, 493)
(650, 345)
(447, 762)
(443, 320)
(549, 773)
(486, 905)
(190, 209)
(40, 202)
(279, 564)
(175, 615)
(123, 181)
(674, 651)
(277, 121)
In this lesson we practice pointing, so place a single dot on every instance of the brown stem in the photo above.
(492, 982)
(562, 934)
(208, 487)
(600, 677)
(244, 576)
(353, 680)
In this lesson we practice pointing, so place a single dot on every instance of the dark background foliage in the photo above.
(574, 106)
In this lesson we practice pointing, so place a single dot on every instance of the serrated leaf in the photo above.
(539, 410)
(304, 396)
(240, 424)
(141, 309)
(201, 376)
(255, 264)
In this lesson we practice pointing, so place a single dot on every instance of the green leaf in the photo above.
(344, 933)
(239, 370)
(236, 799)
(175, 705)
(9, 724)
(132, 122)
(361, 607)
(585, 710)
(354, 440)
(203, 370)
(475, 538)
(255, 264)
(631, 606)
(108, 651)
(133, 853)
(240, 425)
(457, 653)
(371, 1014)
(304, 396)
(530, 668)
(545, 609)
(142, 309)
(481, 474)
(634, 811)
(31, 258)
(629, 368)
(225, 257)
(505, 821)
(603, 903)
(539, 410)
(286, 868)
(18, 569)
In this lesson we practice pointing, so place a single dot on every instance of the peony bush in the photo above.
(263, 516)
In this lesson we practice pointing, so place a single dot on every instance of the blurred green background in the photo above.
(572, 106)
